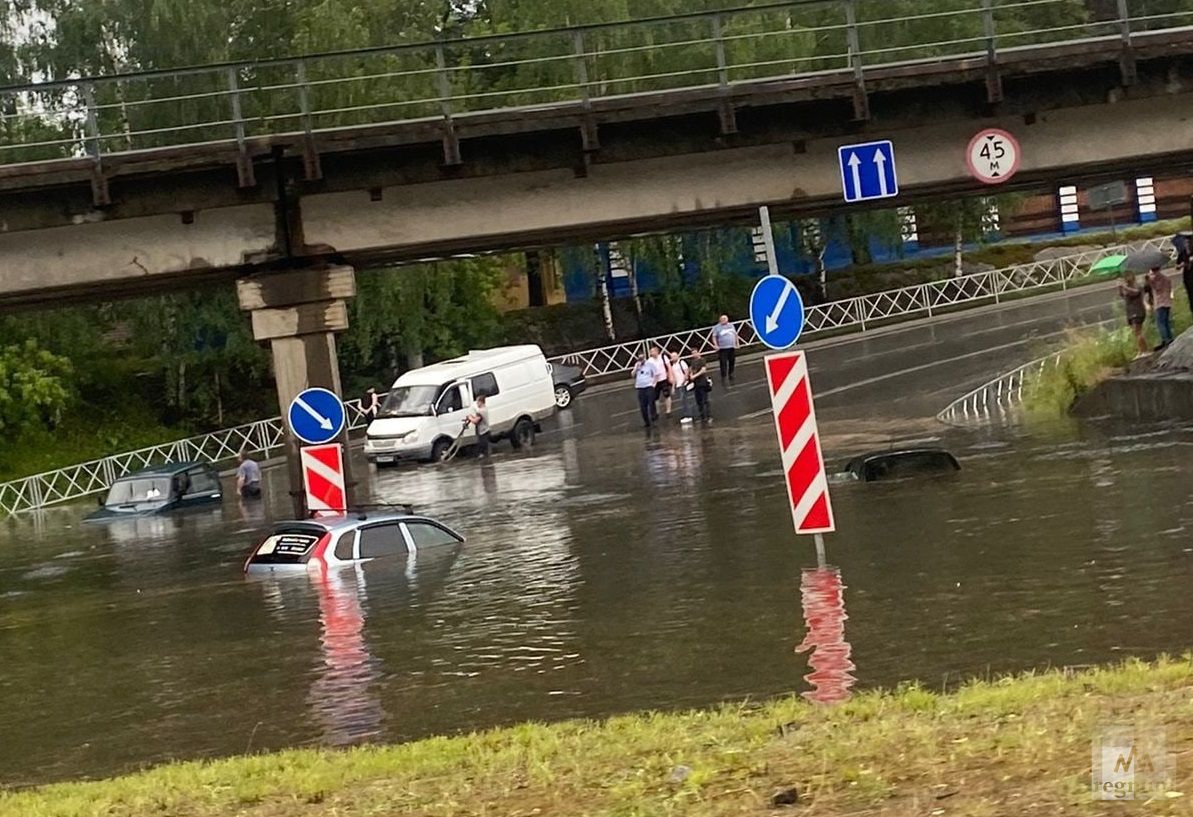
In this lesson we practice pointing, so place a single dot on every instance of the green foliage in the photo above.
(200, 346)
(421, 311)
(34, 387)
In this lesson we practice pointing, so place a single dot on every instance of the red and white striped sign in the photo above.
(323, 478)
(803, 463)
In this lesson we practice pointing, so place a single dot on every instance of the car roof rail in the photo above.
(362, 510)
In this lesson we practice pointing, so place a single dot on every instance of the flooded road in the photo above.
(604, 572)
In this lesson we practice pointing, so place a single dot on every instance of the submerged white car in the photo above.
(347, 538)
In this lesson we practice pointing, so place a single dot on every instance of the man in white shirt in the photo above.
(724, 337)
(646, 380)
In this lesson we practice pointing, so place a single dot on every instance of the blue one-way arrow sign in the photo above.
(868, 171)
(316, 416)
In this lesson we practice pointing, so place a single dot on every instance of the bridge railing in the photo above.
(859, 314)
(878, 309)
(1000, 399)
(443, 81)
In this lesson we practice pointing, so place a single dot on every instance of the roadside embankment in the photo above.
(1099, 375)
(1018, 745)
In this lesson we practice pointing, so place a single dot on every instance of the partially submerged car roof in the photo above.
(901, 462)
(165, 469)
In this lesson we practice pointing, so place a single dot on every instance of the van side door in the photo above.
(451, 409)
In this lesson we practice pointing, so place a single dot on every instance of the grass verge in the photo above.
(1091, 356)
(1019, 745)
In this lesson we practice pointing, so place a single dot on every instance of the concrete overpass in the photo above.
(291, 213)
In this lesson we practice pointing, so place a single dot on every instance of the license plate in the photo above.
(385, 459)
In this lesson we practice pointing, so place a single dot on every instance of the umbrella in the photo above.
(1144, 260)
(1109, 265)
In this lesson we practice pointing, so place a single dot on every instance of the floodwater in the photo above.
(606, 571)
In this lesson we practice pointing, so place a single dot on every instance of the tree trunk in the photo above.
(414, 356)
(219, 401)
(182, 386)
(602, 293)
(958, 256)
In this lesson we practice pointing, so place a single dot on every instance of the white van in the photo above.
(426, 408)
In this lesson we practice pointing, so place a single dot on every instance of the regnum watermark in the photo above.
(1131, 763)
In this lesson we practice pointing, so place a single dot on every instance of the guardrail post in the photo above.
(589, 138)
(993, 75)
(725, 109)
(244, 165)
(311, 167)
(1127, 60)
(861, 100)
(451, 143)
(99, 183)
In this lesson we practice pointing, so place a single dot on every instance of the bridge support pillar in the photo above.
(298, 312)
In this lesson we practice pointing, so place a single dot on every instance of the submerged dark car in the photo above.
(900, 464)
(569, 382)
(160, 489)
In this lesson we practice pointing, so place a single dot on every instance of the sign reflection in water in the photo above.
(344, 696)
(823, 598)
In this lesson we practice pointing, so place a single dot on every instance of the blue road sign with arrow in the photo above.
(777, 312)
(868, 171)
(316, 416)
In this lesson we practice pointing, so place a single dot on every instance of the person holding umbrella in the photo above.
(1132, 296)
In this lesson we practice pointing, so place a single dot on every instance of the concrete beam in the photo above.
(302, 319)
(482, 213)
(93, 253)
(300, 286)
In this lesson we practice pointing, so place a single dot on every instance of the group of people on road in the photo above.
(670, 379)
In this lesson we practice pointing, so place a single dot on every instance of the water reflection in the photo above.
(344, 696)
(823, 599)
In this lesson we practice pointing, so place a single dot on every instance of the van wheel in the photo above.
(439, 449)
(523, 434)
(563, 396)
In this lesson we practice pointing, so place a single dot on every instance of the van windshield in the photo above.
(409, 401)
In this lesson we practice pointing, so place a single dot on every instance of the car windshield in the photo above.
(138, 489)
(409, 401)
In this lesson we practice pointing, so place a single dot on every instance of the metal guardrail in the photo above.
(442, 82)
(867, 311)
(862, 313)
(999, 399)
(77, 481)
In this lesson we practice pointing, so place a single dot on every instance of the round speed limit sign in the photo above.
(993, 156)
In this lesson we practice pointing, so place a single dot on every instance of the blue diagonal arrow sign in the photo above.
(316, 416)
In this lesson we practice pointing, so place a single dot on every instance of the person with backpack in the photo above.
(701, 385)
(662, 384)
(680, 383)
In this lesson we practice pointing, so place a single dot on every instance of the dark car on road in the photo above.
(569, 382)
(160, 489)
(900, 464)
